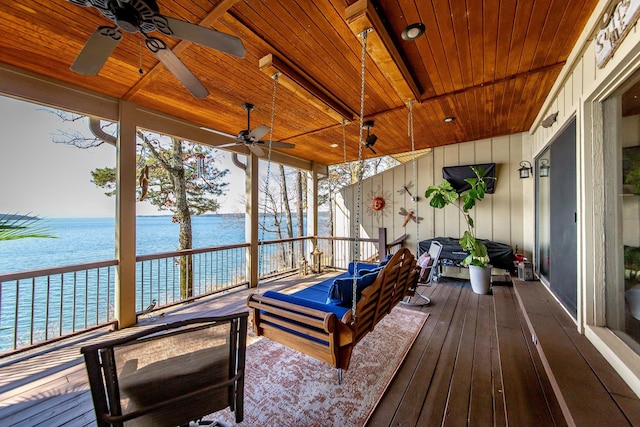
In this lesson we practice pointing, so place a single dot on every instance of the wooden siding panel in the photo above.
(453, 223)
(501, 205)
(517, 191)
(482, 212)
(426, 176)
(498, 217)
(438, 214)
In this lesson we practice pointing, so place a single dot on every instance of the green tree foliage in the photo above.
(444, 194)
(173, 175)
(15, 226)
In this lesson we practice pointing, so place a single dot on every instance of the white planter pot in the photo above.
(480, 278)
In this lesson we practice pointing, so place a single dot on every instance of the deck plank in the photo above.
(473, 363)
(552, 402)
(521, 384)
(408, 371)
(558, 352)
(482, 402)
(409, 408)
(499, 412)
(439, 389)
(457, 407)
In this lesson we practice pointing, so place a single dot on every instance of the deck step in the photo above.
(573, 365)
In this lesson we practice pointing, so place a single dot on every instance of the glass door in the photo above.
(556, 199)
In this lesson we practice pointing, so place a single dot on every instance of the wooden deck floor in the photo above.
(472, 364)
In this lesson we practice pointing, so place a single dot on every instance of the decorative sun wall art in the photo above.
(378, 206)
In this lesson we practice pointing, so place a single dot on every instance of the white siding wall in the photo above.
(498, 217)
(578, 92)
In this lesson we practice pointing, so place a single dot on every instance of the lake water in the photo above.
(80, 240)
(83, 240)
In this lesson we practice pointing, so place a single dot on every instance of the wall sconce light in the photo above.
(525, 169)
(544, 168)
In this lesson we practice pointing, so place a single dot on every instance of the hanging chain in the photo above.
(415, 171)
(356, 233)
(264, 214)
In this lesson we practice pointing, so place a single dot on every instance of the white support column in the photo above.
(252, 216)
(125, 292)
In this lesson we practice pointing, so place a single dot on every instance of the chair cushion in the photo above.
(341, 292)
(316, 305)
(360, 266)
(425, 260)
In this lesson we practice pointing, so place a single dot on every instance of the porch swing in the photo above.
(319, 321)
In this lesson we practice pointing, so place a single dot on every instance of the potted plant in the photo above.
(478, 259)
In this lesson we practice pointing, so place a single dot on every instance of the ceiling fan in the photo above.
(144, 16)
(251, 138)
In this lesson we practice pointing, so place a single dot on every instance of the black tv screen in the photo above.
(456, 175)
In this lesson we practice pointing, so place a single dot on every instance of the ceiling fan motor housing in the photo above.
(130, 15)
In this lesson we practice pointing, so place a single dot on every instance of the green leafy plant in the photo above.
(444, 194)
(14, 226)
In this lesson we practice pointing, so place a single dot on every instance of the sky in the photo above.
(40, 177)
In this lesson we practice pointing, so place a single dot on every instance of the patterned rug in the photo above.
(284, 387)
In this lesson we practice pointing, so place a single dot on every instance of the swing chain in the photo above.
(261, 248)
(415, 169)
(356, 232)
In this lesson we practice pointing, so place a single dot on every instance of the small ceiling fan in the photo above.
(143, 16)
(251, 138)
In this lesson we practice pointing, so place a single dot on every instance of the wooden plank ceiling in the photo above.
(487, 63)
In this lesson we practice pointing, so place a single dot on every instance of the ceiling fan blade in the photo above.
(277, 144)
(177, 67)
(256, 150)
(96, 51)
(258, 133)
(201, 35)
(231, 144)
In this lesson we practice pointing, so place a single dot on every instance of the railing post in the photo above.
(312, 209)
(382, 243)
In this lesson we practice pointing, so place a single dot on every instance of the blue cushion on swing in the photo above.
(302, 302)
(341, 292)
(365, 272)
(385, 260)
(360, 266)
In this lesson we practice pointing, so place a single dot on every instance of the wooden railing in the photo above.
(39, 306)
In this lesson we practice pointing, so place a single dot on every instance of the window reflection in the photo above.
(544, 215)
(623, 298)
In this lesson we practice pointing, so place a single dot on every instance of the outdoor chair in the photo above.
(428, 266)
(171, 374)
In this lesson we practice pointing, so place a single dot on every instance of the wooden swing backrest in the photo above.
(385, 293)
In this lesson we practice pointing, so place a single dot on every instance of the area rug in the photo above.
(284, 387)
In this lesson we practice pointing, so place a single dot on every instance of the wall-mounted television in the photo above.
(456, 175)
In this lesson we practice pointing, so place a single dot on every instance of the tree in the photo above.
(173, 175)
(344, 174)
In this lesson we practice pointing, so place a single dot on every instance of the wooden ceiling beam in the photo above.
(182, 45)
(362, 16)
(305, 87)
